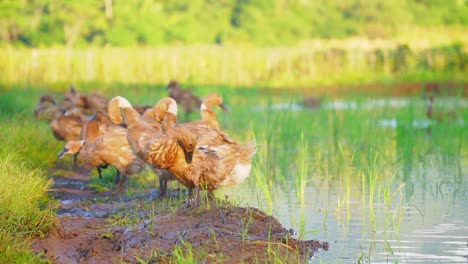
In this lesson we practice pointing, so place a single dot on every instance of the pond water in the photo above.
(395, 190)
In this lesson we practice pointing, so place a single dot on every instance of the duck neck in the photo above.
(429, 111)
(169, 121)
(54, 113)
(209, 117)
(132, 117)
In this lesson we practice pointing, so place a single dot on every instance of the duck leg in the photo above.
(162, 186)
(197, 196)
(121, 182)
(211, 195)
(117, 177)
(98, 168)
(99, 171)
(75, 160)
(189, 197)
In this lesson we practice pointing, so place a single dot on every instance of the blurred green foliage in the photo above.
(40, 23)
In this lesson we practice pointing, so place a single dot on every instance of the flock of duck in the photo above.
(104, 132)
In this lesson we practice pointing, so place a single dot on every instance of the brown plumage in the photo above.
(47, 109)
(65, 125)
(141, 131)
(208, 116)
(199, 156)
(165, 112)
(312, 102)
(110, 148)
(104, 125)
(206, 109)
(185, 98)
(141, 109)
(439, 115)
(87, 104)
(91, 103)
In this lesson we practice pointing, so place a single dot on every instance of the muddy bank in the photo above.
(102, 228)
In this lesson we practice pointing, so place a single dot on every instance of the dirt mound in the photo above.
(100, 230)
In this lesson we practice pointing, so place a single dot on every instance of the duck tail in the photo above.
(250, 149)
(196, 99)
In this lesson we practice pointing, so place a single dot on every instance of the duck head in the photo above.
(213, 100)
(172, 84)
(72, 147)
(73, 99)
(47, 108)
(113, 108)
(188, 142)
(164, 106)
(165, 111)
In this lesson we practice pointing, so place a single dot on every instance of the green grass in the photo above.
(23, 195)
(25, 210)
(28, 149)
(14, 249)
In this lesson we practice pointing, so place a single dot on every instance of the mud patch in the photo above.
(96, 229)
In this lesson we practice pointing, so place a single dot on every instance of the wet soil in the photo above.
(103, 228)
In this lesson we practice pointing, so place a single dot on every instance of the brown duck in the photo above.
(110, 148)
(199, 156)
(185, 98)
(65, 125)
(439, 115)
(47, 109)
(141, 131)
(166, 113)
(87, 104)
(105, 125)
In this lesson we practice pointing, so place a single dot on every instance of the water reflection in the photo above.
(414, 211)
(431, 227)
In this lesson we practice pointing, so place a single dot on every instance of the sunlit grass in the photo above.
(23, 195)
(14, 249)
(319, 62)
(24, 206)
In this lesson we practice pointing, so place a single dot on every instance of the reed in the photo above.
(261, 178)
(301, 181)
(314, 63)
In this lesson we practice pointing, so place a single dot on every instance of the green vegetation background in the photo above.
(40, 23)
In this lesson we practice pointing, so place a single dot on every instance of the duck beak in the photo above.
(188, 156)
(224, 107)
(64, 150)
